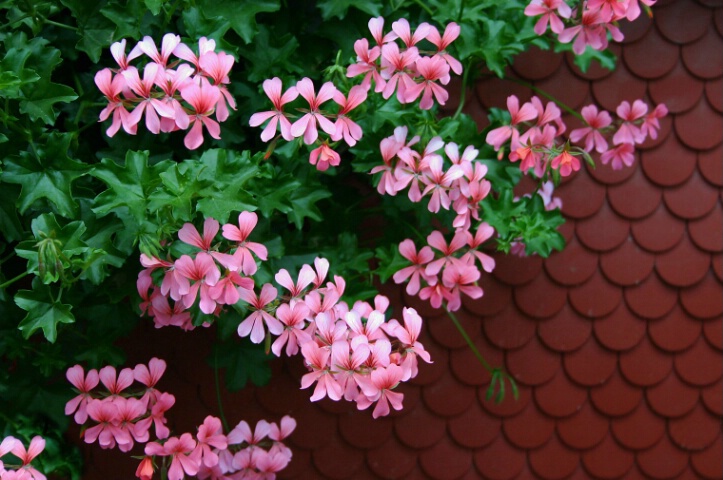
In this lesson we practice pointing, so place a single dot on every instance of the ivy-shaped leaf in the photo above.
(47, 172)
(338, 8)
(242, 17)
(44, 311)
(243, 362)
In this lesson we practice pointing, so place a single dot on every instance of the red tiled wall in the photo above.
(615, 343)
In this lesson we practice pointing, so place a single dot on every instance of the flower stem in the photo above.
(13, 280)
(424, 7)
(218, 392)
(463, 91)
(471, 345)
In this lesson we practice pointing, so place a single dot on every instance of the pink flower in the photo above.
(181, 450)
(589, 32)
(188, 234)
(164, 402)
(184, 53)
(203, 98)
(306, 125)
(293, 320)
(620, 155)
(650, 125)
(500, 135)
(436, 240)
(115, 386)
(273, 89)
(345, 127)
(118, 50)
(112, 86)
(37, 445)
(107, 432)
(395, 70)
(484, 232)
(168, 44)
(204, 273)
(379, 389)
(566, 163)
(247, 222)
(129, 410)
(376, 27)
(401, 28)
(431, 69)
(152, 106)
(149, 376)
(367, 65)
(547, 9)
(317, 359)
(591, 134)
(323, 157)
(451, 32)
(210, 434)
(628, 131)
(145, 469)
(460, 278)
(84, 384)
(306, 277)
(254, 323)
(170, 82)
(438, 182)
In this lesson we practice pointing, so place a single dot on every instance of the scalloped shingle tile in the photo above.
(640, 429)
(645, 365)
(704, 57)
(669, 164)
(446, 462)
(700, 127)
(361, 430)
(553, 460)
(581, 202)
(659, 232)
(664, 460)
(392, 460)
(529, 429)
(697, 430)
(677, 90)
(699, 365)
(541, 298)
(514, 270)
(591, 364)
(707, 463)
(560, 397)
(615, 88)
(607, 176)
(336, 461)
(683, 265)
(616, 397)
(638, 59)
(510, 328)
(714, 93)
(496, 297)
(447, 397)
(607, 459)
(537, 64)
(584, 429)
(707, 232)
(713, 330)
(635, 198)
(672, 397)
(508, 407)
(468, 369)
(596, 297)
(704, 299)
(533, 364)
(694, 199)
(651, 299)
(566, 331)
(621, 330)
(627, 265)
(446, 334)
(683, 22)
(500, 461)
(676, 331)
(474, 428)
(565, 87)
(595, 71)
(420, 428)
(603, 231)
(712, 397)
(573, 265)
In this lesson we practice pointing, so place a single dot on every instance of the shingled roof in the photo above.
(616, 342)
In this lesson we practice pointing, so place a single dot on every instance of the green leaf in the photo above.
(129, 185)
(44, 312)
(154, 5)
(39, 105)
(10, 226)
(270, 55)
(303, 201)
(338, 8)
(46, 173)
(241, 17)
(243, 361)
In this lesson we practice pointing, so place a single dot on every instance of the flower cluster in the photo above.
(121, 416)
(536, 145)
(351, 352)
(408, 71)
(460, 185)
(200, 82)
(23, 471)
(587, 26)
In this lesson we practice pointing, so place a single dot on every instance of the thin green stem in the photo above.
(463, 91)
(539, 91)
(13, 280)
(424, 7)
(59, 25)
(19, 19)
(471, 345)
(218, 393)
(461, 11)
